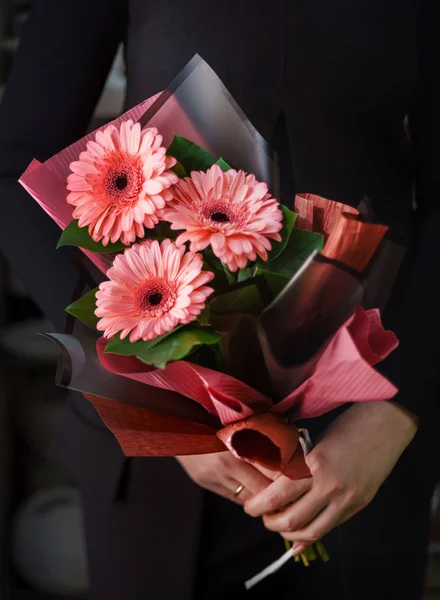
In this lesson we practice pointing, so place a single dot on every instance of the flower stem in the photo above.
(304, 559)
(322, 551)
(310, 553)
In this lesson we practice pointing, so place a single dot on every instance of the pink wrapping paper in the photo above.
(46, 182)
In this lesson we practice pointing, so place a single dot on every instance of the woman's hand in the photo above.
(349, 464)
(223, 474)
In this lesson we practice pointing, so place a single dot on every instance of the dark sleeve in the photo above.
(59, 72)
(415, 311)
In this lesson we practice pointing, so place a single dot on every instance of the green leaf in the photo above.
(289, 219)
(211, 263)
(220, 282)
(179, 345)
(160, 232)
(204, 318)
(301, 244)
(275, 282)
(223, 165)
(179, 170)
(127, 348)
(79, 236)
(232, 279)
(84, 309)
(244, 275)
(189, 155)
(205, 356)
(74, 235)
(243, 299)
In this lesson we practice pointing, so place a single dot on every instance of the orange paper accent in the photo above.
(348, 240)
(297, 467)
(353, 242)
(268, 441)
(318, 214)
(304, 208)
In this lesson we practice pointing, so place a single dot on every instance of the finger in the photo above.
(324, 522)
(298, 515)
(280, 493)
(348, 513)
(253, 480)
(243, 494)
(268, 473)
(226, 492)
(298, 547)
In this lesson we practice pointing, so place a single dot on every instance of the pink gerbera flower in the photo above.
(151, 289)
(231, 211)
(120, 183)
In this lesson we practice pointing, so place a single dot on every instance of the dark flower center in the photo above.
(155, 299)
(218, 213)
(220, 217)
(121, 182)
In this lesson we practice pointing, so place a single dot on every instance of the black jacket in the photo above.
(345, 74)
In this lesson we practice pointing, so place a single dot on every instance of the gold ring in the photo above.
(239, 490)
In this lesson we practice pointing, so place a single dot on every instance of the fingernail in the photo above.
(297, 549)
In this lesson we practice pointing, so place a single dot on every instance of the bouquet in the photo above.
(245, 315)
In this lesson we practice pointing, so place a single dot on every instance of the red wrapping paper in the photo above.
(343, 374)
(147, 433)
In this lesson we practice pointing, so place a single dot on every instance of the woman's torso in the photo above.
(344, 74)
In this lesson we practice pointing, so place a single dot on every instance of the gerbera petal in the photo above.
(148, 136)
(134, 139)
(196, 297)
(159, 200)
(120, 182)
(202, 278)
(140, 230)
(152, 187)
(104, 138)
(127, 220)
(143, 297)
(241, 260)
(183, 302)
(78, 185)
(116, 231)
(83, 168)
(170, 162)
(137, 267)
(235, 244)
(157, 257)
(218, 242)
(232, 211)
